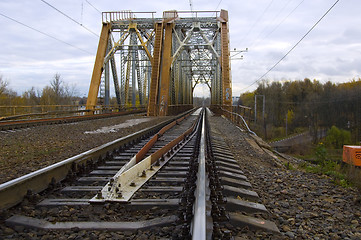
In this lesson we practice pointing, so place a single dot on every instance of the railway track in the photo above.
(179, 183)
(26, 123)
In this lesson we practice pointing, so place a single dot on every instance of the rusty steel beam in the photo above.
(166, 66)
(156, 64)
(225, 64)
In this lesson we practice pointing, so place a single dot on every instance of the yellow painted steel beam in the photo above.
(98, 67)
(156, 63)
(166, 67)
(144, 44)
(225, 63)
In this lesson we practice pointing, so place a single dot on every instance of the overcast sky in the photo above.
(268, 28)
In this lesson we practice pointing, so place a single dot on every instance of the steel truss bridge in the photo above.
(157, 62)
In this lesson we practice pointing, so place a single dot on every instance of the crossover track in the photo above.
(179, 183)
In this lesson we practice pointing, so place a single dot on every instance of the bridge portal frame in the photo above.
(178, 52)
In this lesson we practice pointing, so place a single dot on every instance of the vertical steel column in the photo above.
(114, 73)
(226, 77)
(122, 77)
(106, 84)
(166, 67)
(156, 64)
(98, 68)
(133, 40)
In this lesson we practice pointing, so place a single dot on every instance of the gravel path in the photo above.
(27, 150)
(303, 205)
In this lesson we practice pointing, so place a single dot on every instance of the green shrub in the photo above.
(336, 137)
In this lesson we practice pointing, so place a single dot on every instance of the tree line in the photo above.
(57, 93)
(307, 104)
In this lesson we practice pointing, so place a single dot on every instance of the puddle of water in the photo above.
(116, 128)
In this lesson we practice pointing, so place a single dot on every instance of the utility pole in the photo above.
(255, 107)
(286, 122)
(263, 111)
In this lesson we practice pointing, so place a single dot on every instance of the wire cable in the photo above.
(274, 29)
(93, 7)
(255, 23)
(48, 35)
(293, 46)
(72, 19)
(219, 4)
(270, 23)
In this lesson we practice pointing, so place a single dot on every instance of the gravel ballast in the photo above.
(25, 150)
(303, 205)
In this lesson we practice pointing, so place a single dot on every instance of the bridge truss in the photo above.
(159, 61)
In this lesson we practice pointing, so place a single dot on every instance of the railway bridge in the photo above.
(192, 175)
(158, 62)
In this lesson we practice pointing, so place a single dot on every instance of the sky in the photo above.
(267, 28)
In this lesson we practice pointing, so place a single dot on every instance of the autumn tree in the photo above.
(313, 105)
(3, 86)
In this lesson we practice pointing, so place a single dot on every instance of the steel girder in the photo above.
(162, 60)
(125, 37)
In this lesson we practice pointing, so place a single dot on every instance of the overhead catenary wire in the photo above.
(218, 4)
(303, 37)
(274, 29)
(93, 7)
(270, 22)
(72, 19)
(46, 34)
(256, 22)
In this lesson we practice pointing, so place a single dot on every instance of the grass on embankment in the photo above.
(327, 161)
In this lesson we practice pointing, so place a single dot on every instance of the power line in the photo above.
(72, 19)
(274, 29)
(219, 4)
(93, 6)
(255, 23)
(270, 23)
(48, 35)
(294, 45)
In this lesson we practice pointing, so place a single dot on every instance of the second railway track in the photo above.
(179, 183)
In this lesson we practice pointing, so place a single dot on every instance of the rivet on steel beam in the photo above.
(100, 195)
(120, 195)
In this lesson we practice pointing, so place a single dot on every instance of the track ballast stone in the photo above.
(303, 205)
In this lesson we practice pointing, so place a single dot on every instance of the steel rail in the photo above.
(130, 171)
(199, 223)
(13, 192)
(34, 122)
